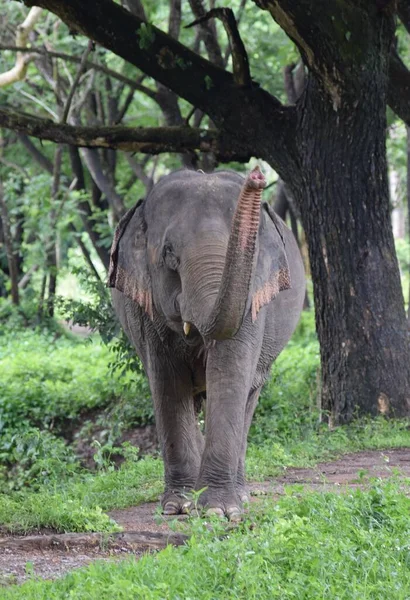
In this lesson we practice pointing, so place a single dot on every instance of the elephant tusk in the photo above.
(187, 328)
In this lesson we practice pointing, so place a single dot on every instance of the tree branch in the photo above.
(76, 81)
(209, 34)
(240, 60)
(174, 23)
(19, 70)
(134, 84)
(148, 141)
(38, 156)
(192, 77)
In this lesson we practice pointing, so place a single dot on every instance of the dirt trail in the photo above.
(50, 556)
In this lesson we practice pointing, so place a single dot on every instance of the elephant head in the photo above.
(199, 253)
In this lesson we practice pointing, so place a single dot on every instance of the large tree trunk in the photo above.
(343, 195)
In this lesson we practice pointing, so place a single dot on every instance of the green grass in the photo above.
(309, 545)
(321, 444)
(77, 504)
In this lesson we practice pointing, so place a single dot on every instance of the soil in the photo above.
(144, 530)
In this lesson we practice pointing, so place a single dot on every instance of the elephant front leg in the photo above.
(229, 373)
(241, 479)
(180, 439)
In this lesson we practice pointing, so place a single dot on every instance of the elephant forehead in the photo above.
(180, 199)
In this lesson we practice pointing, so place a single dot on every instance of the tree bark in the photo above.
(344, 200)
(408, 205)
(52, 262)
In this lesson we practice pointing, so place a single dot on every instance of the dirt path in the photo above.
(50, 556)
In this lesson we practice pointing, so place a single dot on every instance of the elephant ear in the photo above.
(128, 270)
(272, 269)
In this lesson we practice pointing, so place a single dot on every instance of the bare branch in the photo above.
(38, 156)
(76, 81)
(19, 70)
(209, 34)
(174, 23)
(153, 140)
(93, 163)
(123, 110)
(239, 15)
(134, 84)
(138, 170)
(240, 60)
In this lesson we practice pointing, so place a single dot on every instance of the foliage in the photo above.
(313, 545)
(49, 386)
(288, 406)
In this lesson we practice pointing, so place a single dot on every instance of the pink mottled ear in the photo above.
(128, 272)
(272, 269)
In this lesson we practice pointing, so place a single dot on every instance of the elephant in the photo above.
(208, 285)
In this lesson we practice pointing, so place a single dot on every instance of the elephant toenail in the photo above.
(171, 508)
(186, 507)
(214, 512)
(234, 514)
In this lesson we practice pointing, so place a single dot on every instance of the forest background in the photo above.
(75, 412)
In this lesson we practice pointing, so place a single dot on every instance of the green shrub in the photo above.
(287, 407)
(31, 457)
(49, 385)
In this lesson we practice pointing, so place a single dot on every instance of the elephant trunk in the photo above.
(227, 311)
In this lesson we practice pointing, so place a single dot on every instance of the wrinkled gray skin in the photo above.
(175, 248)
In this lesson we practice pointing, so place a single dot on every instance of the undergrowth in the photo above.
(309, 545)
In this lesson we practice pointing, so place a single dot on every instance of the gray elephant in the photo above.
(209, 286)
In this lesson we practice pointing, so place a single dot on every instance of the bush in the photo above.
(50, 385)
(287, 407)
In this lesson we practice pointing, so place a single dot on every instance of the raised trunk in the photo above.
(342, 191)
(228, 311)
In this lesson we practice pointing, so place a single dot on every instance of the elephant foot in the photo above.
(221, 503)
(176, 502)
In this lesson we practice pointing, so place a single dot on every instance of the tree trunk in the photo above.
(52, 262)
(408, 204)
(344, 201)
(8, 243)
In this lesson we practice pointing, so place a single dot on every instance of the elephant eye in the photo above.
(169, 257)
